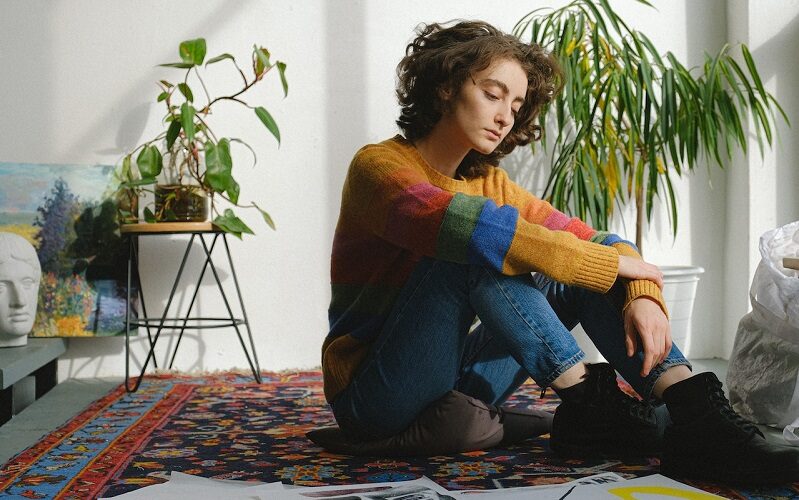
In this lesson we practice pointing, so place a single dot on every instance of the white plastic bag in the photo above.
(763, 374)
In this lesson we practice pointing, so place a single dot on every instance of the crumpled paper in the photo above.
(791, 433)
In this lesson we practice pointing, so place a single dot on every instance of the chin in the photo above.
(485, 150)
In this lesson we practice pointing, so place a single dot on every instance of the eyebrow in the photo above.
(502, 86)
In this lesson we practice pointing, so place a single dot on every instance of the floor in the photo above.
(71, 396)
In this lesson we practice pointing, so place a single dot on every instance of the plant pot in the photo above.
(679, 292)
(181, 203)
(127, 202)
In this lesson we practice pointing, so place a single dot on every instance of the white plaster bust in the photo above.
(20, 274)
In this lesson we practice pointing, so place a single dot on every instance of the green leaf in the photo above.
(140, 182)
(652, 50)
(166, 84)
(172, 134)
(149, 161)
(261, 56)
(233, 191)
(229, 223)
(672, 203)
(149, 216)
(281, 68)
(177, 65)
(193, 51)
(126, 173)
(266, 216)
(218, 165)
(187, 120)
(268, 122)
(186, 91)
(779, 108)
(220, 57)
(750, 64)
(162, 96)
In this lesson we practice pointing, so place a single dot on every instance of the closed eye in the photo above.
(490, 96)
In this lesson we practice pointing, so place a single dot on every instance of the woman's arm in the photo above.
(395, 201)
(541, 212)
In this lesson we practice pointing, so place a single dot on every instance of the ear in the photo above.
(445, 93)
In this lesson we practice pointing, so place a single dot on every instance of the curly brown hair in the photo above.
(442, 58)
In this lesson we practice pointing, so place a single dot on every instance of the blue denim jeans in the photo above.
(428, 345)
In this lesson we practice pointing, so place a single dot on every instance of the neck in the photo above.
(441, 151)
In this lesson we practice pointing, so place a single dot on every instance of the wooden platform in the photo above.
(168, 227)
(39, 358)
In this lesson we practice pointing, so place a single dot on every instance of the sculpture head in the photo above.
(20, 273)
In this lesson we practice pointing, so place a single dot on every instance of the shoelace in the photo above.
(608, 390)
(719, 400)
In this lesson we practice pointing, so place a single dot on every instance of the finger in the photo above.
(664, 344)
(629, 338)
(668, 344)
(629, 343)
(659, 337)
(649, 355)
(657, 276)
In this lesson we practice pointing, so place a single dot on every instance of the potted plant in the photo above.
(630, 119)
(189, 165)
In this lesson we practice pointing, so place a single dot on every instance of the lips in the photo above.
(18, 318)
(494, 134)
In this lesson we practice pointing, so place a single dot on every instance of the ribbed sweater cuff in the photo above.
(598, 268)
(648, 289)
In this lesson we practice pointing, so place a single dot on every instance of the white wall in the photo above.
(762, 190)
(78, 87)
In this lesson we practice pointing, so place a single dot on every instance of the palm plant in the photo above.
(629, 119)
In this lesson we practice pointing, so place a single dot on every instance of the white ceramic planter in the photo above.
(679, 292)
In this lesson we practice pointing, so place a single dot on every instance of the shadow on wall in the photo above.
(706, 214)
(346, 98)
(162, 261)
(134, 115)
(775, 60)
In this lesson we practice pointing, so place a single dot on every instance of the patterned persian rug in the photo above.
(225, 426)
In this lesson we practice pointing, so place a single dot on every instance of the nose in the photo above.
(18, 296)
(504, 117)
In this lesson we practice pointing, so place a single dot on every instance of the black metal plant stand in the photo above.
(196, 230)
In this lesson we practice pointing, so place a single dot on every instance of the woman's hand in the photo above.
(636, 269)
(644, 319)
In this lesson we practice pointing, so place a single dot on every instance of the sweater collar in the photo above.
(436, 177)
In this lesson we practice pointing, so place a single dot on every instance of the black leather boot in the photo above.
(709, 441)
(596, 418)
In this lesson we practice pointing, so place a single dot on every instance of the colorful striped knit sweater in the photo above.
(396, 209)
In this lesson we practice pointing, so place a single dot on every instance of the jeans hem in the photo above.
(656, 373)
(561, 369)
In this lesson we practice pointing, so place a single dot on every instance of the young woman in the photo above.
(432, 234)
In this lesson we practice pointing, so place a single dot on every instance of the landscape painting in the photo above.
(68, 214)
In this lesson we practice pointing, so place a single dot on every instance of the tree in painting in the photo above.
(56, 233)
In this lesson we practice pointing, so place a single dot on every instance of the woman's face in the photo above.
(484, 110)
